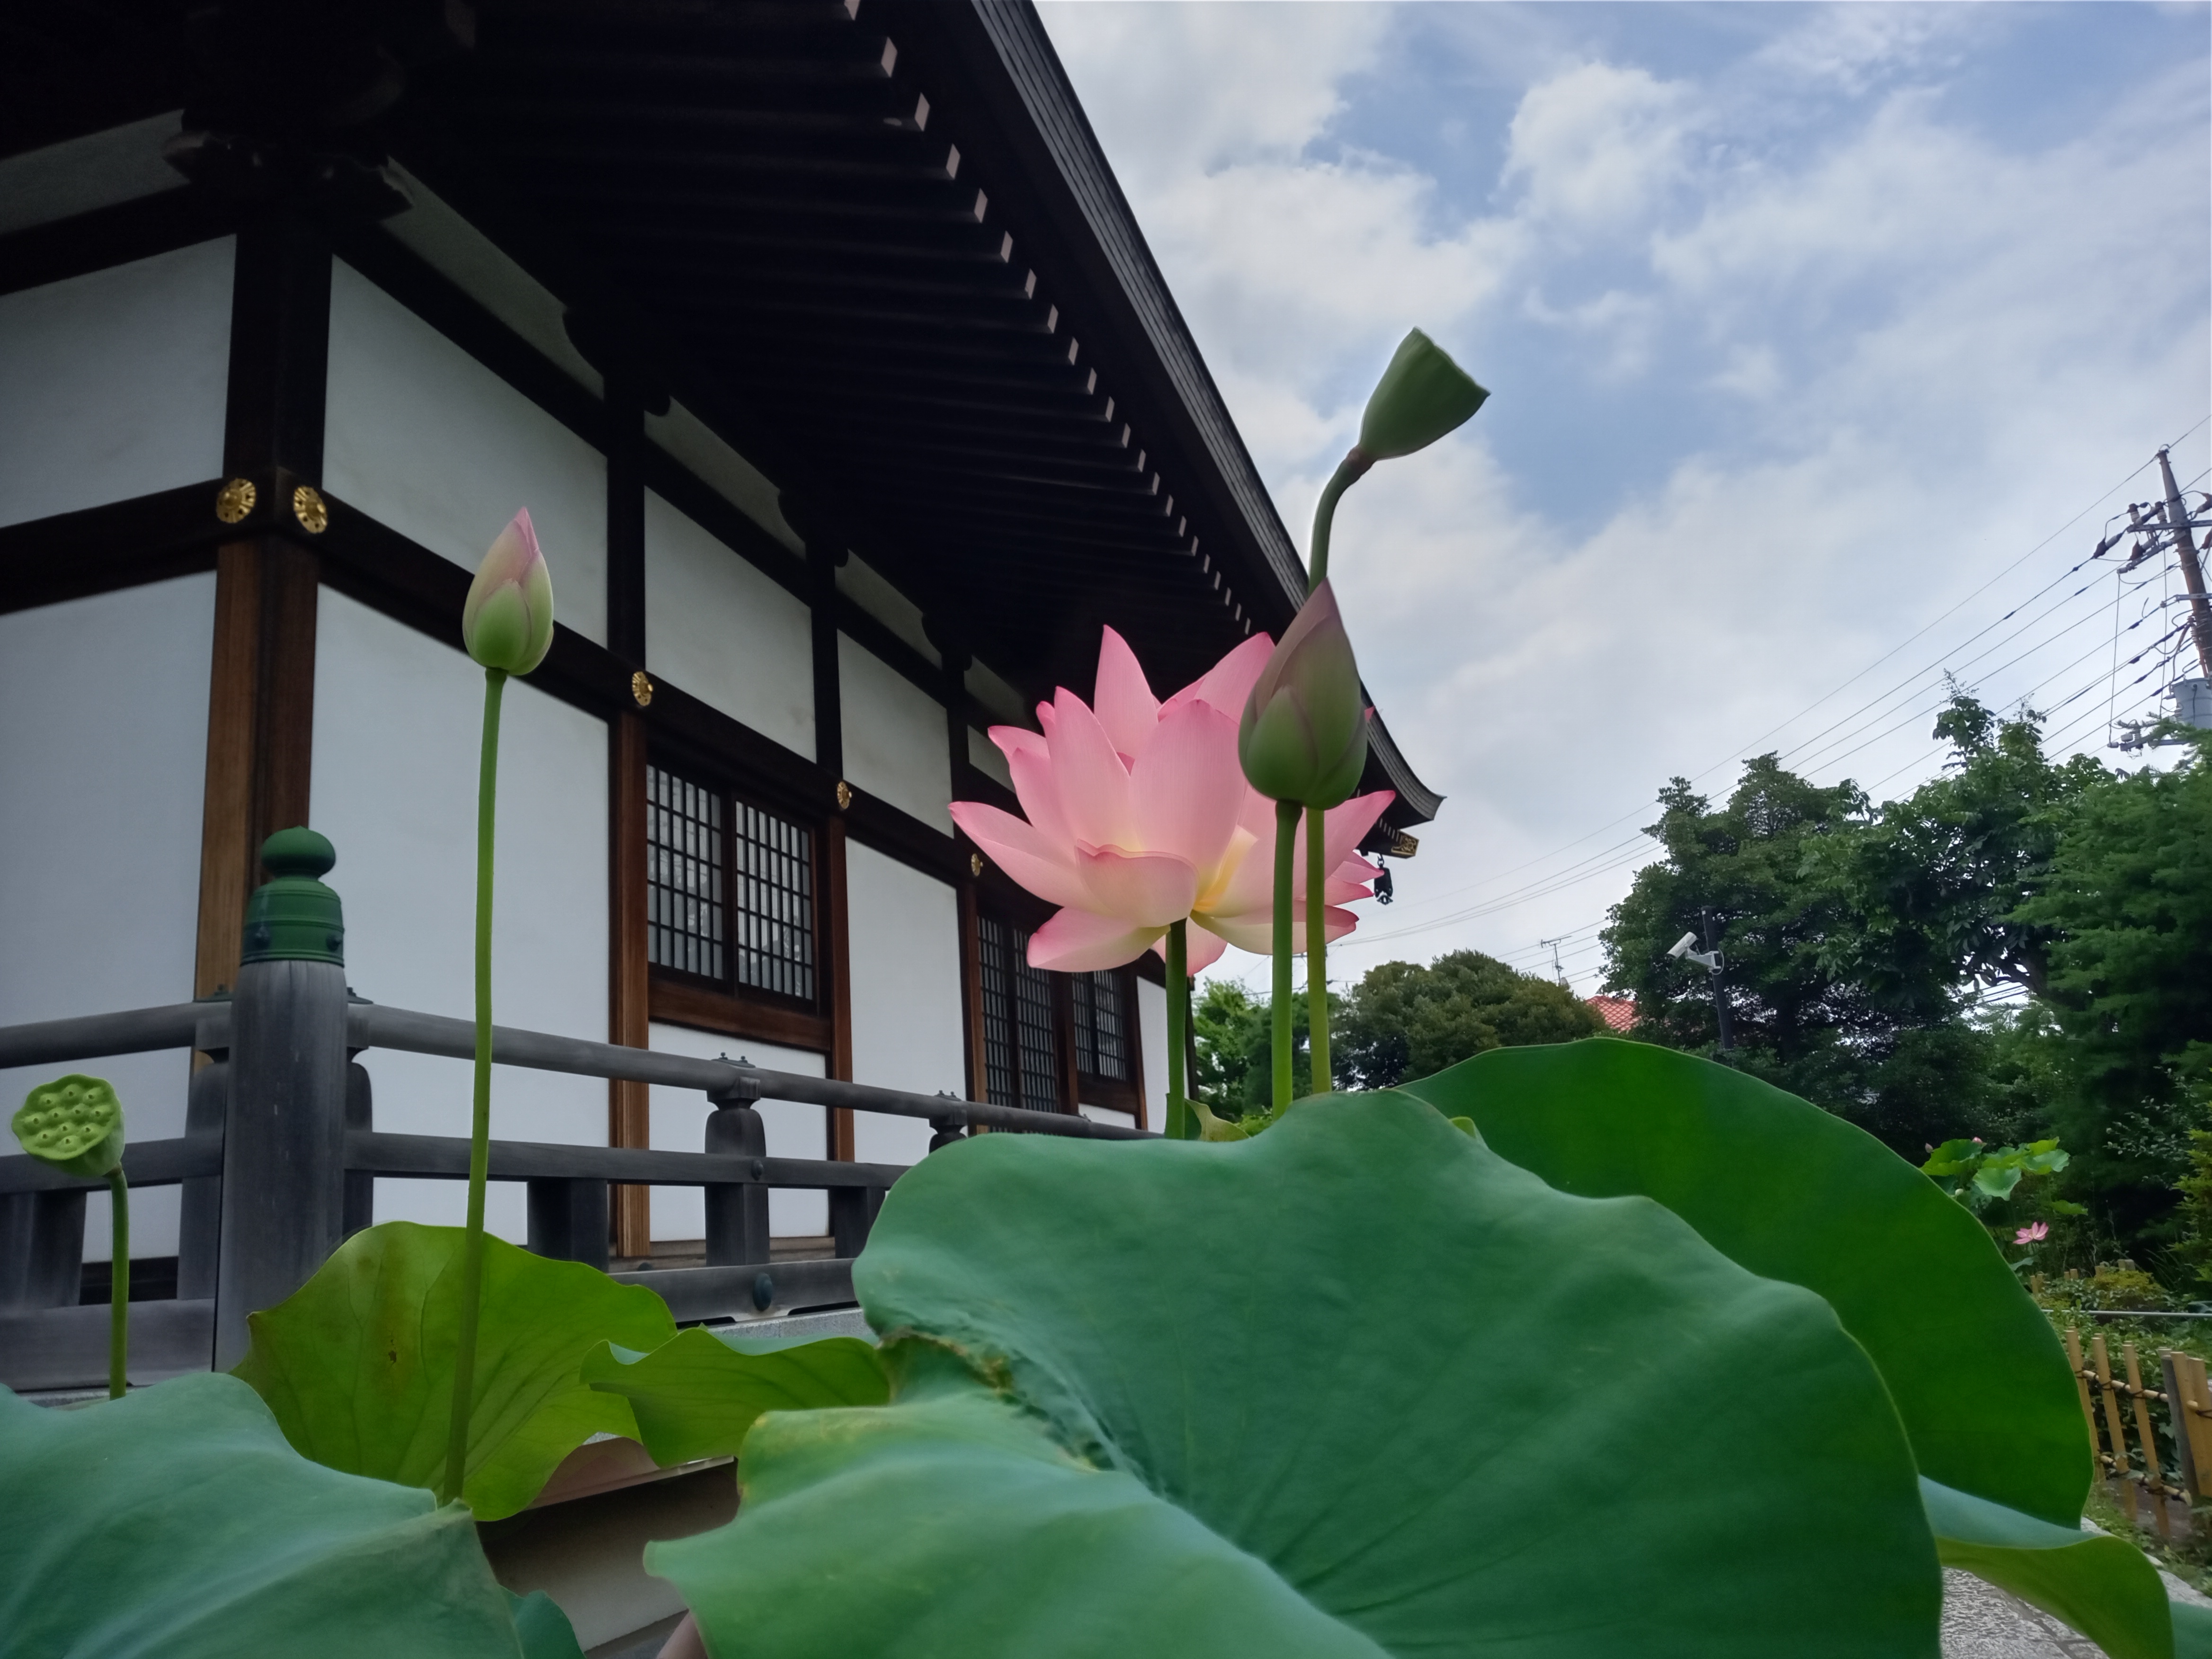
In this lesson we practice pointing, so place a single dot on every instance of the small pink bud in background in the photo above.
(508, 620)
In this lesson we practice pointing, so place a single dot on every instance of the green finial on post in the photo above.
(292, 916)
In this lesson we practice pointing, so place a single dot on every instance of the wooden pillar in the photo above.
(824, 555)
(971, 992)
(840, 1127)
(261, 693)
(630, 1117)
(1133, 1037)
(630, 1120)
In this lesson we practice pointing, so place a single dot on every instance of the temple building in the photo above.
(849, 405)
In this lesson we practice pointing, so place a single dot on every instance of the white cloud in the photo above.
(1886, 353)
(1598, 146)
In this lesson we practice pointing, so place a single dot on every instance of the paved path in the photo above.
(1980, 1621)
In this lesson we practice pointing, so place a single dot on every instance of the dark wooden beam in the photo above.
(107, 236)
(629, 991)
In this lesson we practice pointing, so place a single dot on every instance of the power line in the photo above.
(1603, 861)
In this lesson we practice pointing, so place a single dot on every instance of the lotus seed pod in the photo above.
(74, 1123)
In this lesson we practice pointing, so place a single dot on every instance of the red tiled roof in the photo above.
(1619, 1013)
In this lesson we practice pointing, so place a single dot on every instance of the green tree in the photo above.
(2128, 902)
(1742, 868)
(1930, 890)
(1404, 1021)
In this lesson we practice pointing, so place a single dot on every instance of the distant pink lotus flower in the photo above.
(1139, 816)
(2034, 1235)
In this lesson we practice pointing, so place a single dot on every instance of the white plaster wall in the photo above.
(679, 1125)
(894, 735)
(101, 764)
(1152, 1032)
(907, 1029)
(395, 737)
(113, 382)
(420, 436)
(723, 631)
(98, 170)
(986, 757)
(737, 480)
(867, 587)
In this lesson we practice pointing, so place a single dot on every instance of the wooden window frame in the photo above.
(678, 997)
(1072, 1089)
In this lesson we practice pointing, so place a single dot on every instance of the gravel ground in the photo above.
(1980, 1621)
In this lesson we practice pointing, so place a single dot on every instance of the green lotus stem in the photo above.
(1316, 955)
(1286, 835)
(1178, 1124)
(472, 1251)
(1349, 471)
(118, 1285)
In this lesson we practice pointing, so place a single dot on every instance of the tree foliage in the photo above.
(1863, 945)
(1403, 1020)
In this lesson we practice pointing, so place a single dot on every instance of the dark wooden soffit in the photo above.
(872, 242)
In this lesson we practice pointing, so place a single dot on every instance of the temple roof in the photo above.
(874, 243)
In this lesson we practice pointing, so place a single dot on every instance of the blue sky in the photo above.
(1809, 330)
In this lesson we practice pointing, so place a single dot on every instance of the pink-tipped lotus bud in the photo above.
(1303, 735)
(1422, 395)
(508, 622)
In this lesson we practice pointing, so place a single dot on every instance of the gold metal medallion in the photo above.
(844, 795)
(313, 512)
(235, 500)
(641, 688)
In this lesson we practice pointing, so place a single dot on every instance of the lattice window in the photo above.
(1021, 1039)
(730, 890)
(774, 904)
(684, 853)
(1102, 1025)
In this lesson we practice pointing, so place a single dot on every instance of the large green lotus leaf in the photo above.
(357, 1364)
(1359, 1384)
(541, 1627)
(1797, 1193)
(697, 1395)
(175, 1523)
(2104, 1588)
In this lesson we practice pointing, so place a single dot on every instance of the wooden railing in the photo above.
(280, 1155)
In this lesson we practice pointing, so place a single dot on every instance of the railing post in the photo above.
(359, 1205)
(736, 1212)
(945, 1131)
(851, 1213)
(199, 1220)
(283, 1153)
(568, 1221)
(41, 1250)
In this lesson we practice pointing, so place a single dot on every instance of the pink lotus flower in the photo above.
(2034, 1235)
(1139, 816)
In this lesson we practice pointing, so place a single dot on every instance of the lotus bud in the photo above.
(508, 622)
(74, 1123)
(1422, 395)
(1303, 735)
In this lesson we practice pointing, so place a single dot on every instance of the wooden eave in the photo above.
(874, 243)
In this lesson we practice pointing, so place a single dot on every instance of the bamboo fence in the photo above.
(2116, 1395)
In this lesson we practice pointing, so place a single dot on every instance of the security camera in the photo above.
(1681, 946)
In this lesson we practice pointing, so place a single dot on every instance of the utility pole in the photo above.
(2200, 608)
(1557, 972)
(1720, 999)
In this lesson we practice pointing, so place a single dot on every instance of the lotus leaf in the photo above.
(175, 1523)
(357, 1364)
(1357, 1386)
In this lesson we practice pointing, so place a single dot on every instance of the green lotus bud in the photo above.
(1422, 395)
(1303, 735)
(507, 622)
(74, 1123)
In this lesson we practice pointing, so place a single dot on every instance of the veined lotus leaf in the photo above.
(1797, 1193)
(175, 1523)
(2101, 1585)
(697, 1395)
(357, 1363)
(1358, 1386)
